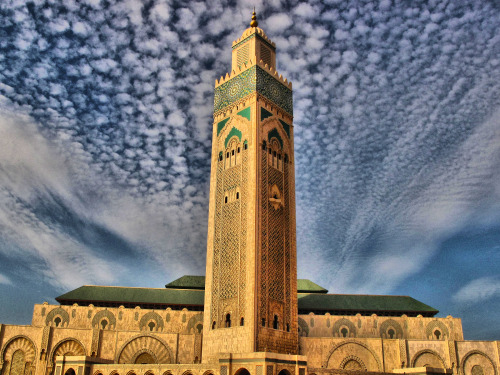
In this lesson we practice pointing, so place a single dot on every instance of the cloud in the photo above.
(5, 280)
(478, 290)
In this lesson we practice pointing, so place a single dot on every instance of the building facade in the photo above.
(250, 315)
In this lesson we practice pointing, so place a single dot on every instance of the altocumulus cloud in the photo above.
(106, 116)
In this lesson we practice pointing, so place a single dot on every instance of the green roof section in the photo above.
(127, 295)
(363, 303)
(307, 286)
(188, 282)
(190, 291)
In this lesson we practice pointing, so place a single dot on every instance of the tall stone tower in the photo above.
(251, 279)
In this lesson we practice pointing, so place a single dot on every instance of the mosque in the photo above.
(250, 314)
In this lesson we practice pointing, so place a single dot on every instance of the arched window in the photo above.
(391, 333)
(437, 333)
(237, 195)
(344, 332)
(288, 327)
(238, 150)
(245, 146)
(213, 324)
(225, 199)
(263, 322)
(57, 321)
(199, 328)
(275, 322)
(228, 320)
(151, 326)
(264, 145)
(242, 321)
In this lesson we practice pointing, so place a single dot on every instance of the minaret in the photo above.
(251, 278)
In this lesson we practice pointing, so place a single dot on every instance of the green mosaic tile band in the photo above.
(274, 90)
(251, 80)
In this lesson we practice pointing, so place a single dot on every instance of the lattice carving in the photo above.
(45, 339)
(265, 54)
(269, 370)
(242, 54)
(230, 225)
(96, 337)
(157, 348)
(403, 353)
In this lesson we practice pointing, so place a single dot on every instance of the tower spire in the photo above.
(254, 22)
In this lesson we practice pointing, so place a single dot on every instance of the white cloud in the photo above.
(5, 280)
(277, 22)
(478, 290)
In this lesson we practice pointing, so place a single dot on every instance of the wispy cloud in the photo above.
(478, 290)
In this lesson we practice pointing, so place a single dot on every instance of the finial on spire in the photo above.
(254, 22)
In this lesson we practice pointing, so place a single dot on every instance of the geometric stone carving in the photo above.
(156, 349)
(390, 329)
(57, 317)
(151, 322)
(437, 330)
(104, 319)
(344, 328)
(69, 347)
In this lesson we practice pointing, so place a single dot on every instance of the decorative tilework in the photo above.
(251, 80)
(286, 127)
(274, 134)
(232, 133)
(235, 89)
(221, 124)
(245, 113)
(264, 113)
(274, 90)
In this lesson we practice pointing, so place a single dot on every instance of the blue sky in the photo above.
(105, 125)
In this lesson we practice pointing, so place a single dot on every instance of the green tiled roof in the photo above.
(189, 291)
(362, 303)
(188, 282)
(140, 296)
(198, 282)
(307, 286)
